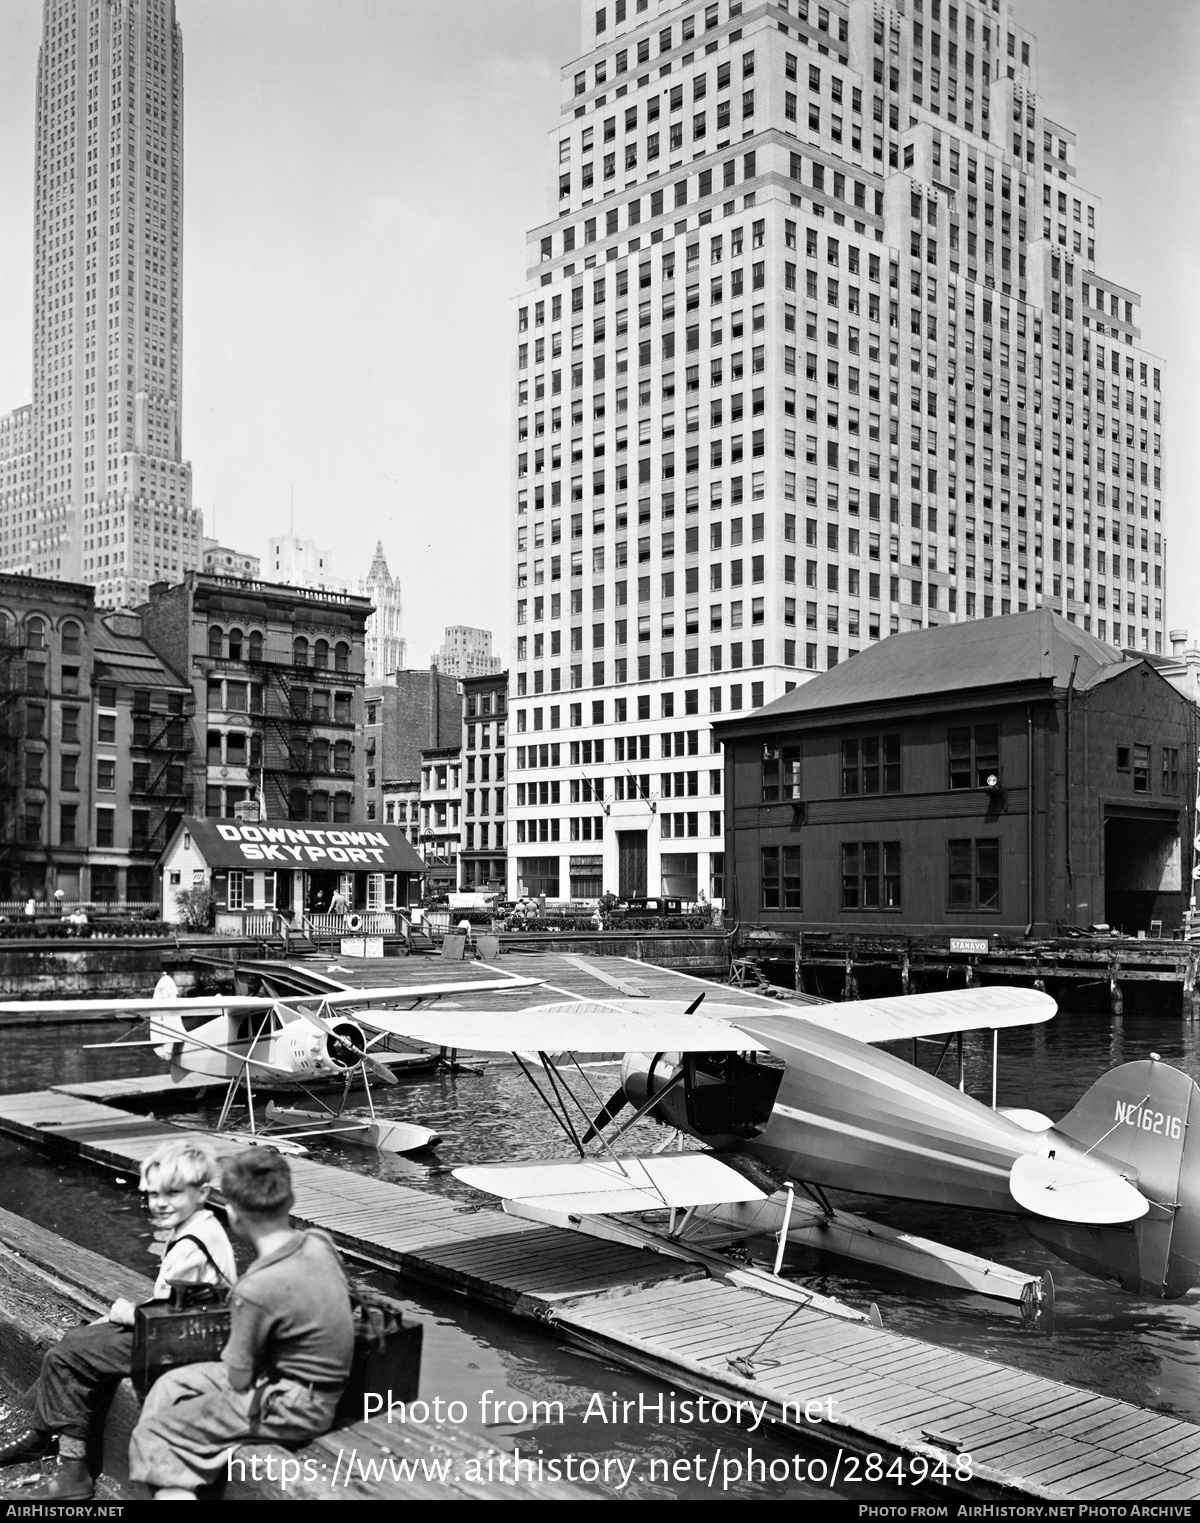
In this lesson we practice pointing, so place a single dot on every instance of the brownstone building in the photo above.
(277, 676)
(45, 737)
(996, 776)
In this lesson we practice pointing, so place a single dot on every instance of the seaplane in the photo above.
(772, 1109)
(288, 1042)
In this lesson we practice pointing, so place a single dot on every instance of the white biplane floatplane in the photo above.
(284, 1042)
(803, 1100)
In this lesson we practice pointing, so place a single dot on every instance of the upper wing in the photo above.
(574, 1026)
(245, 1004)
(914, 1015)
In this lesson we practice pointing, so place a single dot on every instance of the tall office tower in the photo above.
(467, 652)
(384, 648)
(816, 348)
(112, 494)
(17, 495)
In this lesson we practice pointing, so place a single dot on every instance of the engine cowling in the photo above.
(307, 1050)
(720, 1097)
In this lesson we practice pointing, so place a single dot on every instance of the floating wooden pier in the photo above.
(890, 1394)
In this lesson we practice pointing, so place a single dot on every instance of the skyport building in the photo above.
(817, 346)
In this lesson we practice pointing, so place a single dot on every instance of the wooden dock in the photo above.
(835, 961)
(50, 1283)
(891, 1395)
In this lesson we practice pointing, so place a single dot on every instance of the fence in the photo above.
(13, 909)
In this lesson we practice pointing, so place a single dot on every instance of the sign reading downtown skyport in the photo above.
(283, 843)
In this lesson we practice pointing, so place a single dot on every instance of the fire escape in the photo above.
(307, 739)
(12, 730)
(161, 791)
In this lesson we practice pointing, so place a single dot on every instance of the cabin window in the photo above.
(871, 875)
(781, 877)
(973, 874)
(974, 755)
(871, 764)
(781, 772)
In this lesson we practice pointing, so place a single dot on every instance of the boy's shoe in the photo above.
(71, 1482)
(32, 1444)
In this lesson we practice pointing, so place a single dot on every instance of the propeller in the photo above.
(613, 1107)
(352, 1053)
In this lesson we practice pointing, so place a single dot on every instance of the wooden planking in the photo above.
(898, 1390)
(659, 1314)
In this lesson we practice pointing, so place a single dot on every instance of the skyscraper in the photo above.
(817, 347)
(111, 495)
(467, 652)
(384, 648)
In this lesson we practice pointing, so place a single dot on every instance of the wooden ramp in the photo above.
(891, 1394)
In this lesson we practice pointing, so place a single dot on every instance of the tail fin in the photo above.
(166, 1026)
(1139, 1117)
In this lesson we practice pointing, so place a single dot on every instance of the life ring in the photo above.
(354, 922)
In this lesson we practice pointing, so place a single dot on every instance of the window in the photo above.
(104, 833)
(781, 877)
(214, 642)
(1170, 770)
(235, 898)
(106, 776)
(973, 875)
(70, 639)
(974, 755)
(1141, 769)
(871, 875)
(871, 764)
(781, 772)
(106, 728)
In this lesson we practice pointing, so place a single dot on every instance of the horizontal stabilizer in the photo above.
(600, 1185)
(1073, 1188)
(1032, 1121)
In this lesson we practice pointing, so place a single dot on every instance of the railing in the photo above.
(355, 923)
(53, 909)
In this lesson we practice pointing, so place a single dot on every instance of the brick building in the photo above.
(1000, 776)
(277, 673)
(411, 711)
(45, 737)
(484, 735)
(145, 744)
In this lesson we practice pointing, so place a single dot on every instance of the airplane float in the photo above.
(282, 1042)
(801, 1100)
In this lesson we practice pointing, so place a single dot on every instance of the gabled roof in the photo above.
(1038, 646)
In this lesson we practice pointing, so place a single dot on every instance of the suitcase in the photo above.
(191, 1327)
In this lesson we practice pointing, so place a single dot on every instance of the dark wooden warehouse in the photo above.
(990, 777)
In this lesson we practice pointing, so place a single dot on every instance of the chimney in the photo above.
(435, 693)
(1178, 638)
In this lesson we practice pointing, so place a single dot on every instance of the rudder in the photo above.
(1139, 1117)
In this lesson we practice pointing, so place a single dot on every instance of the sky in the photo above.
(358, 182)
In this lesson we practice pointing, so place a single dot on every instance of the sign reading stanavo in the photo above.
(289, 844)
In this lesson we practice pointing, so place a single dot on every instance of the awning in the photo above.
(350, 847)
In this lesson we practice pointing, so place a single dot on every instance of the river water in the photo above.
(1096, 1336)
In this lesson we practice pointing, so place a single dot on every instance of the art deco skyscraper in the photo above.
(111, 493)
(817, 346)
